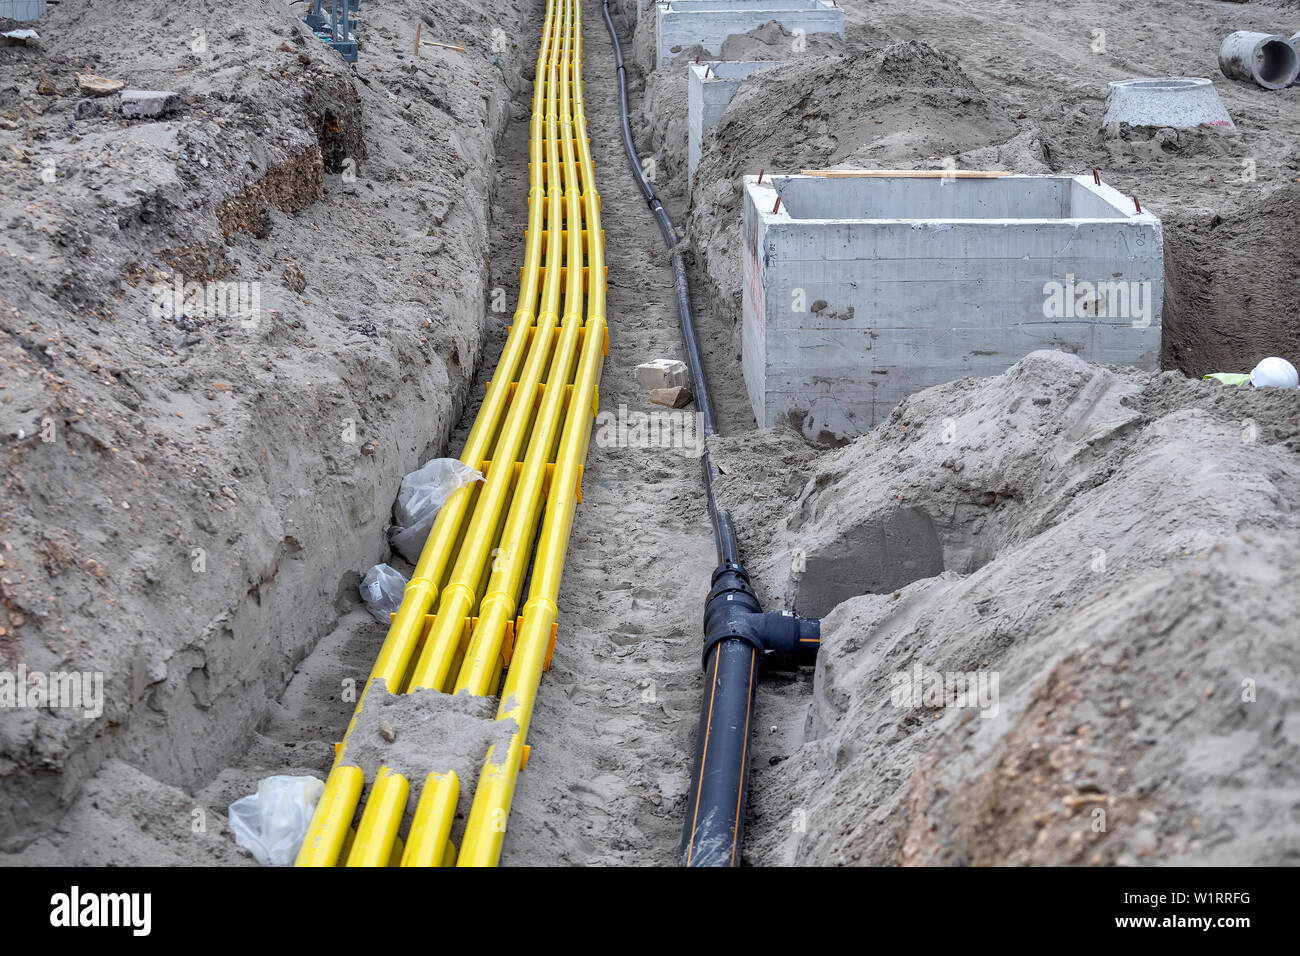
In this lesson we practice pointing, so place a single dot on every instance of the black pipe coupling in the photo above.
(783, 640)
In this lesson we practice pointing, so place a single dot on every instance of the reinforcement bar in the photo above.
(530, 439)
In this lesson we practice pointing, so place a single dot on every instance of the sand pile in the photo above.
(431, 732)
(662, 119)
(1110, 568)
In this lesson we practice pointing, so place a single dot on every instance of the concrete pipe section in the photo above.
(1268, 59)
(1178, 101)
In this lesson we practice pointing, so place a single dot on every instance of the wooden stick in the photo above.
(446, 46)
(419, 25)
(905, 173)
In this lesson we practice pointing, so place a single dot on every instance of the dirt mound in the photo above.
(908, 105)
(225, 333)
(1099, 668)
(771, 41)
(438, 732)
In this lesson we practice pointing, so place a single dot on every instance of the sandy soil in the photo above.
(1118, 549)
(212, 490)
(1121, 688)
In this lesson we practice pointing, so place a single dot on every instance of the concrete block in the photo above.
(1178, 101)
(662, 373)
(708, 23)
(859, 291)
(709, 88)
(146, 104)
(679, 396)
(22, 10)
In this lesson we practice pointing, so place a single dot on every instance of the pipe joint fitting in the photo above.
(732, 611)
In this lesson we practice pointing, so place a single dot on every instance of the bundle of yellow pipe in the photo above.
(534, 424)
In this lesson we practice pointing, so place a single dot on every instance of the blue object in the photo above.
(335, 28)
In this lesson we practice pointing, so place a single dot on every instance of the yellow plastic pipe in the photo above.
(377, 832)
(461, 593)
(330, 823)
(428, 843)
(503, 507)
(485, 829)
(478, 673)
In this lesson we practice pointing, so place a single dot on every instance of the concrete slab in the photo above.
(685, 23)
(22, 10)
(709, 88)
(858, 292)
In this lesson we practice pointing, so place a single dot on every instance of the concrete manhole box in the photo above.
(709, 88)
(684, 23)
(859, 291)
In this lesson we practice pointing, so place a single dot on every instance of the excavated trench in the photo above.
(614, 727)
(244, 474)
(386, 226)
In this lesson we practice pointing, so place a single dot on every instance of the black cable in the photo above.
(724, 532)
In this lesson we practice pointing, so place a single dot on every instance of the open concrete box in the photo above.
(686, 23)
(709, 88)
(859, 291)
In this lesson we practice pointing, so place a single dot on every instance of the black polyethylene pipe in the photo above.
(738, 637)
(724, 532)
(712, 833)
(715, 814)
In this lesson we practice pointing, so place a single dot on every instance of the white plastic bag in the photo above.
(422, 493)
(273, 822)
(382, 589)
